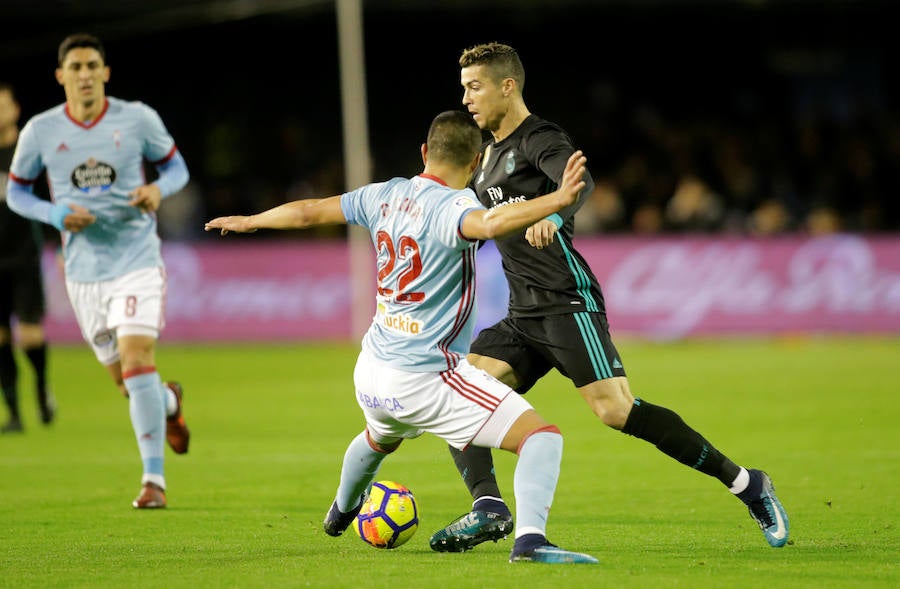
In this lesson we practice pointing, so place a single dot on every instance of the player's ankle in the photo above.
(492, 505)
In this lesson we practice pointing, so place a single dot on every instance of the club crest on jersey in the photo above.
(93, 177)
(510, 162)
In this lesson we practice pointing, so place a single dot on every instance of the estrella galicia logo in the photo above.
(93, 177)
(510, 162)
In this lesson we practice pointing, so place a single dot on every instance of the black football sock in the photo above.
(8, 377)
(670, 434)
(476, 466)
(38, 358)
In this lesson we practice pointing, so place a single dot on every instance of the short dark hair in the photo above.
(454, 137)
(502, 61)
(7, 87)
(80, 40)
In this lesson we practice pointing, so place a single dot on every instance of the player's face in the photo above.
(83, 75)
(482, 97)
(9, 110)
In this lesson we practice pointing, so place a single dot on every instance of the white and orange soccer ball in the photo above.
(389, 517)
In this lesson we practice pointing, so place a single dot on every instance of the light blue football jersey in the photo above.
(96, 165)
(425, 312)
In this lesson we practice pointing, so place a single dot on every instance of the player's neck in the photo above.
(83, 113)
(452, 176)
(511, 121)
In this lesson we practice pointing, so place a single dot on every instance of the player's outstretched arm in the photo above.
(500, 221)
(298, 214)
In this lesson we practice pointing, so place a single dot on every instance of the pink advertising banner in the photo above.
(679, 287)
(239, 291)
(655, 288)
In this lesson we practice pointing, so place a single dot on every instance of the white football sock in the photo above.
(740, 481)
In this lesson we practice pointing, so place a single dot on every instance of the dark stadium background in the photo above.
(251, 92)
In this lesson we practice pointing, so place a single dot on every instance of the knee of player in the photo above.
(608, 401)
(382, 446)
(613, 415)
(547, 429)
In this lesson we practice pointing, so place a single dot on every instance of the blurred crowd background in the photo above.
(757, 118)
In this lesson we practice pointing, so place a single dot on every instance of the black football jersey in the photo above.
(527, 164)
(19, 237)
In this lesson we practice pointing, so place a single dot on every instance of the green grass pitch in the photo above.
(270, 424)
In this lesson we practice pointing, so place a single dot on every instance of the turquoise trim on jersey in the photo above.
(582, 283)
(58, 214)
(556, 220)
(594, 346)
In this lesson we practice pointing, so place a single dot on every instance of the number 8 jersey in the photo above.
(425, 311)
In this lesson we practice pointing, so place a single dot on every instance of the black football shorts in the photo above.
(22, 293)
(576, 344)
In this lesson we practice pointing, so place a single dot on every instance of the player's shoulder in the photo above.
(539, 135)
(466, 199)
(390, 185)
(442, 200)
(51, 116)
(395, 181)
(378, 189)
(121, 106)
(535, 125)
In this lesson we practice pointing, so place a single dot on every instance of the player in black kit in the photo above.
(21, 284)
(556, 316)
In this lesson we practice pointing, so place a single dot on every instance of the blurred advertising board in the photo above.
(658, 288)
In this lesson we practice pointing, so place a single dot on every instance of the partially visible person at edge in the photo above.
(93, 147)
(415, 380)
(556, 317)
(21, 286)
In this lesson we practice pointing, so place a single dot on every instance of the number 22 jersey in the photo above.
(425, 306)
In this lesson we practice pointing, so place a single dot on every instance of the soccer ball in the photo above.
(389, 517)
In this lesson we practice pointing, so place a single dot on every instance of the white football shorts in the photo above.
(462, 406)
(132, 304)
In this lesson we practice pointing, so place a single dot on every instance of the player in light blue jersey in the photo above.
(93, 149)
(412, 375)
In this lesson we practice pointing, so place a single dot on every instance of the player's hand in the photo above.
(541, 234)
(238, 224)
(78, 219)
(572, 179)
(146, 198)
